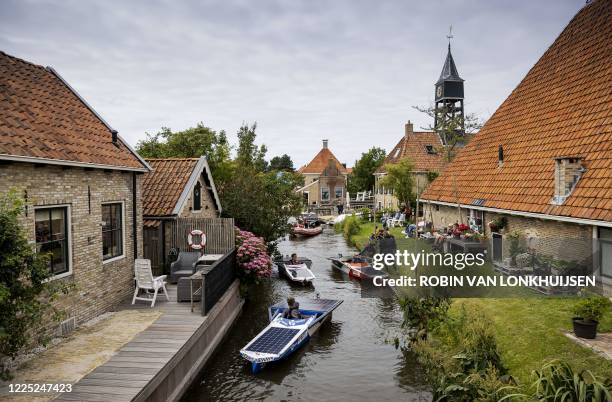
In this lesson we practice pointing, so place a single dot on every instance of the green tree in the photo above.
(190, 143)
(450, 129)
(400, 179)
(362, 177)
(282, 162)
(25, 293)
(249, 155)
(262, 202)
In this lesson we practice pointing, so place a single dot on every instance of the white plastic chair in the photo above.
(146, 281)
(399, 220)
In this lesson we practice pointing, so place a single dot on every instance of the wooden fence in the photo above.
(220, 235)
(163, 242)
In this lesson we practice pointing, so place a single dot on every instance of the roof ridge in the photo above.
(19, 59)
(172, 159)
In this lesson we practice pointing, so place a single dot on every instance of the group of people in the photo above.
(383, 233)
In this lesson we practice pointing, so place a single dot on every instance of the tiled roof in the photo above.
(162, 188)
(41, 117)
(562, 108)
(414, 146)
(321, 161)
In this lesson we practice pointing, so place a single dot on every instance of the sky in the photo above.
(347, 71)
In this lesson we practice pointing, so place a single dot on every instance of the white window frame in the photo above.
(122, 256)
(68, 236)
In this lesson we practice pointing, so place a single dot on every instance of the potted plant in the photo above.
(588, 313)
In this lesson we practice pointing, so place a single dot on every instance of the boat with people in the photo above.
(292, 324)
(358, 267)
(296, 270)
(303, 230)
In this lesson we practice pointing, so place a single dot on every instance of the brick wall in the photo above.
(98, 287)
(565, 241)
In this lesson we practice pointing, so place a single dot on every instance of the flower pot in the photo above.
(584, 329)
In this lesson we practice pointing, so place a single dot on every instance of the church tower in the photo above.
(449, 99)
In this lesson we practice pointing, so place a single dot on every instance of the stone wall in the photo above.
(99, 287)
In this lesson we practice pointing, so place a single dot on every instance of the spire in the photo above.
(449, 70)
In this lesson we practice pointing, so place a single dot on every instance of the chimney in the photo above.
(408, 129)
(115, 139)
(325, 142)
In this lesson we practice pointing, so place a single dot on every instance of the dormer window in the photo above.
(197, 197)
(567, 174)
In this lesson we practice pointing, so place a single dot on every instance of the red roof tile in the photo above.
(162, 188)
(321, 161)
(414, 146)
(41, 117)
(561, 108)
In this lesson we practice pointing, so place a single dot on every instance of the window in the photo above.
(112, 231)
(324, 194)
(51, 225)
(430, 149)
(339, 191)
(197, 197)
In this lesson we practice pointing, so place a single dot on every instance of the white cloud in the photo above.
(304, 70)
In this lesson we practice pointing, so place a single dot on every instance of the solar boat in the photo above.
(284, 336)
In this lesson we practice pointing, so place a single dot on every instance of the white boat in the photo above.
(299, 273)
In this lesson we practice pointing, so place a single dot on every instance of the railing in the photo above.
(219, 233)
(216, 279)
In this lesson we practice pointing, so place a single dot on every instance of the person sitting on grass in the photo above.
(293, 309)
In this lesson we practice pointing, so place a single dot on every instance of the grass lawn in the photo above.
(529, 329)
(366, 229)
(530, 333)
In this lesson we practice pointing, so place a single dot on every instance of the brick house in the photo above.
(325, 179)
(544, 159)
(81, 183)
(423, 148)
(176, 188)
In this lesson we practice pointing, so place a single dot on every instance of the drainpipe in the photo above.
(134, 218)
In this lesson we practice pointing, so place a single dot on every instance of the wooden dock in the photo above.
(161, 362)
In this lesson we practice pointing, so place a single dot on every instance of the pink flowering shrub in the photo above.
(252, 256)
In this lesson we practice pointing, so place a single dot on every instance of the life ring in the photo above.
(197, 246)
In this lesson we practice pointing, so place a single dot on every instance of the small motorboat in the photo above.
(307, 231)
(283, 336)
(296, 272)
(358, 267)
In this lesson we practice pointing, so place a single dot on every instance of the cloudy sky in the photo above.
(305, 70)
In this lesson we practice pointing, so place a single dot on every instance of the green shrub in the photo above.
(462, 361)
(365, 214)
(592, 308)
(557, 381)
(351, 226)
(25, 292)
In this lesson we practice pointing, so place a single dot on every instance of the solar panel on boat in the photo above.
(273, 340)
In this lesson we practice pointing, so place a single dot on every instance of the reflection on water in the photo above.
(348, 359)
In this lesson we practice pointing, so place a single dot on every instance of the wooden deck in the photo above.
(140, 366)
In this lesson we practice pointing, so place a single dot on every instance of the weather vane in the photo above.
(450, 33)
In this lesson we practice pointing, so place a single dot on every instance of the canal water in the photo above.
(351, 358)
